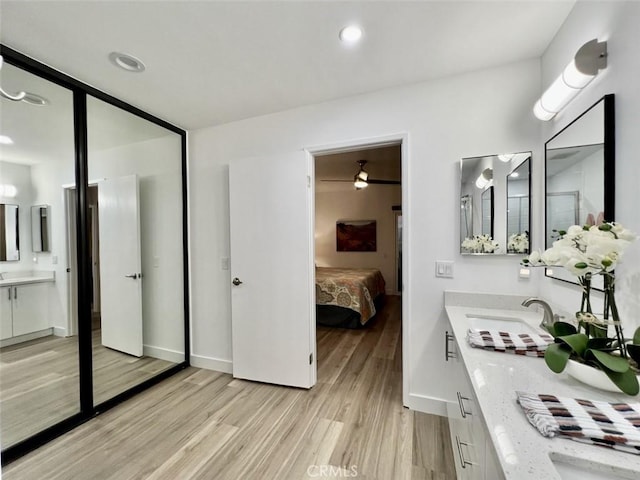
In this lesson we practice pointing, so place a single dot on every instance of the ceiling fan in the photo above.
(362, 180)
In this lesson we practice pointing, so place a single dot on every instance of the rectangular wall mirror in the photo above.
(9, 233)
(495, 204)
(40, 237)
(580, 176)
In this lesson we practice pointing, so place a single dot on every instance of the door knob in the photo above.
(236, 281)
(133, 275)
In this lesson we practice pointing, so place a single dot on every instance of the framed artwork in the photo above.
(356, 235)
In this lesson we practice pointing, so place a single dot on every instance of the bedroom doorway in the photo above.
(358, 230)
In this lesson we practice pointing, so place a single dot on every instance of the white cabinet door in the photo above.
(273, 331)
(30, 308)
(6, 322)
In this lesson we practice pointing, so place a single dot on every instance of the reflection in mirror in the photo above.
(39, 365)
(580, 176)
(9, 233)
(466, 217)
(487, 212)
(518, 206)
(40, 228)
(495, 203)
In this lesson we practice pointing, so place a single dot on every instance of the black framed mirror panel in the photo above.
(580, 176)
(81, 212)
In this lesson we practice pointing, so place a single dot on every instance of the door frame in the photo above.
(359, 144)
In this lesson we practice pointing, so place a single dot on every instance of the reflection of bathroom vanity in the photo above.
(24, 306)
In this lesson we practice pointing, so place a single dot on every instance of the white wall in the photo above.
(616, 22)
(468, 115)
(371, 203)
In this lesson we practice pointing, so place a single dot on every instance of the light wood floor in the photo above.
(205, 425)
(39, 382)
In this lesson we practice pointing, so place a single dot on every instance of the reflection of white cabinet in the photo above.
(472, 449)
(6, 317)
(24, 309)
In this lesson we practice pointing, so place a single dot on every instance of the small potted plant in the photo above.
(585, 252)
(480, 244)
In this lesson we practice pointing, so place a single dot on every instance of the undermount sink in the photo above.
(569, 469)
(503, 324)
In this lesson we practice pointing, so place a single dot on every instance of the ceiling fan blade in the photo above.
(384, 182)
(371, 180)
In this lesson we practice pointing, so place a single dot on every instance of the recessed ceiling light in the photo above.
(127, 62)
(350, 34)
(4, 140)
(515, 175)
(35, 99)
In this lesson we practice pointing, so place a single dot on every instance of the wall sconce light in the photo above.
(588, 60)
(485, 178)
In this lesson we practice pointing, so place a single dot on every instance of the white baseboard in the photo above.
(60, 331)
(209, 363)
(424, 404)
(26, 337)
(163, 354)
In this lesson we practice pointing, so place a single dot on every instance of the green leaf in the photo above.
(636, 336)
(595, 331)
(611, 362)
(556, 356)
(627, 382)
(577, 342)
(563, 328)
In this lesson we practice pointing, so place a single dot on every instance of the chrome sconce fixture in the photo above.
(587, 62)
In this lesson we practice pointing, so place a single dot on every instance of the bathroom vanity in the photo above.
(24, 306)
(490, 434)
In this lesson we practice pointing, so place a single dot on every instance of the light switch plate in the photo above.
(224, 263)
(444, 268)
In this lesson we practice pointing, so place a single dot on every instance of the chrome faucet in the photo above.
(549, 318)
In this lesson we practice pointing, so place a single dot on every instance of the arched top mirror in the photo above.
(580, 176)
(495, 203)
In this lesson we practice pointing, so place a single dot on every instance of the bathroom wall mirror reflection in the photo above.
(9, 233)
(40, 236)
(495, 203)
(580, 171)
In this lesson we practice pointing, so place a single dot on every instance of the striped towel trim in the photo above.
(529, 344)
(612, 425)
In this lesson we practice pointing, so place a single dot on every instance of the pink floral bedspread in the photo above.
(353, 288)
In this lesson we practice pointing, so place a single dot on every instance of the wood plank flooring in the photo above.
(204, 425)
(39, 382)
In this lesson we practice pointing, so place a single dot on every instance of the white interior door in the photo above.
(120, 264)
(273, 313)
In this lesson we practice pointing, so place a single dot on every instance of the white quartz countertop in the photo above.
(523, 453)
(23, 278)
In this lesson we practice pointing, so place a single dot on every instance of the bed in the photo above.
(348, 297)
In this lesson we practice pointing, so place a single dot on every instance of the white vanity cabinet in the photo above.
(6, 316)
(24, 308)
(472, 449)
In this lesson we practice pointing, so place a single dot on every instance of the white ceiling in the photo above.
(211, 62)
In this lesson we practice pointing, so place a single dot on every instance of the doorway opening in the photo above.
(94, 251)
(358, 241)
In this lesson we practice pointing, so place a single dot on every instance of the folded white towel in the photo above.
(613, 425)
(529, 344)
